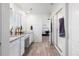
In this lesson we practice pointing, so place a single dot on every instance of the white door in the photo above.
(60, 40)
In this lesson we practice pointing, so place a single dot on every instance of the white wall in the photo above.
(36, 21)
(4, 29)
(74, 29)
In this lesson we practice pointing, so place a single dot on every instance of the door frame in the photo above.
(66, 29)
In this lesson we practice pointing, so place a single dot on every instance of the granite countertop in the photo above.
(15, 37)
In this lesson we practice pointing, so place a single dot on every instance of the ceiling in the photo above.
(40, 8)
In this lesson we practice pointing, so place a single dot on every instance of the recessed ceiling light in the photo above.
(51, 3)
(28, 12)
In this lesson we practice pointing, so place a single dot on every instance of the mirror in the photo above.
(15, 22)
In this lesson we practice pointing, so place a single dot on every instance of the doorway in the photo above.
(45, 30)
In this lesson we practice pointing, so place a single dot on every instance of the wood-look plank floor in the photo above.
(42, 49)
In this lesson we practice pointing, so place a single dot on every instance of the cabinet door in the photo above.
(15, 48)
(22, 45)
(31, 38)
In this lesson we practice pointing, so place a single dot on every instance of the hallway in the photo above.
(42, 49)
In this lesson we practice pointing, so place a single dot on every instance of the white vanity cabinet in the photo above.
(30, 38)
(18, 44)
(22, 45)
(15, 47)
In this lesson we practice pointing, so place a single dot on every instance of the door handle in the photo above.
(0, 43)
